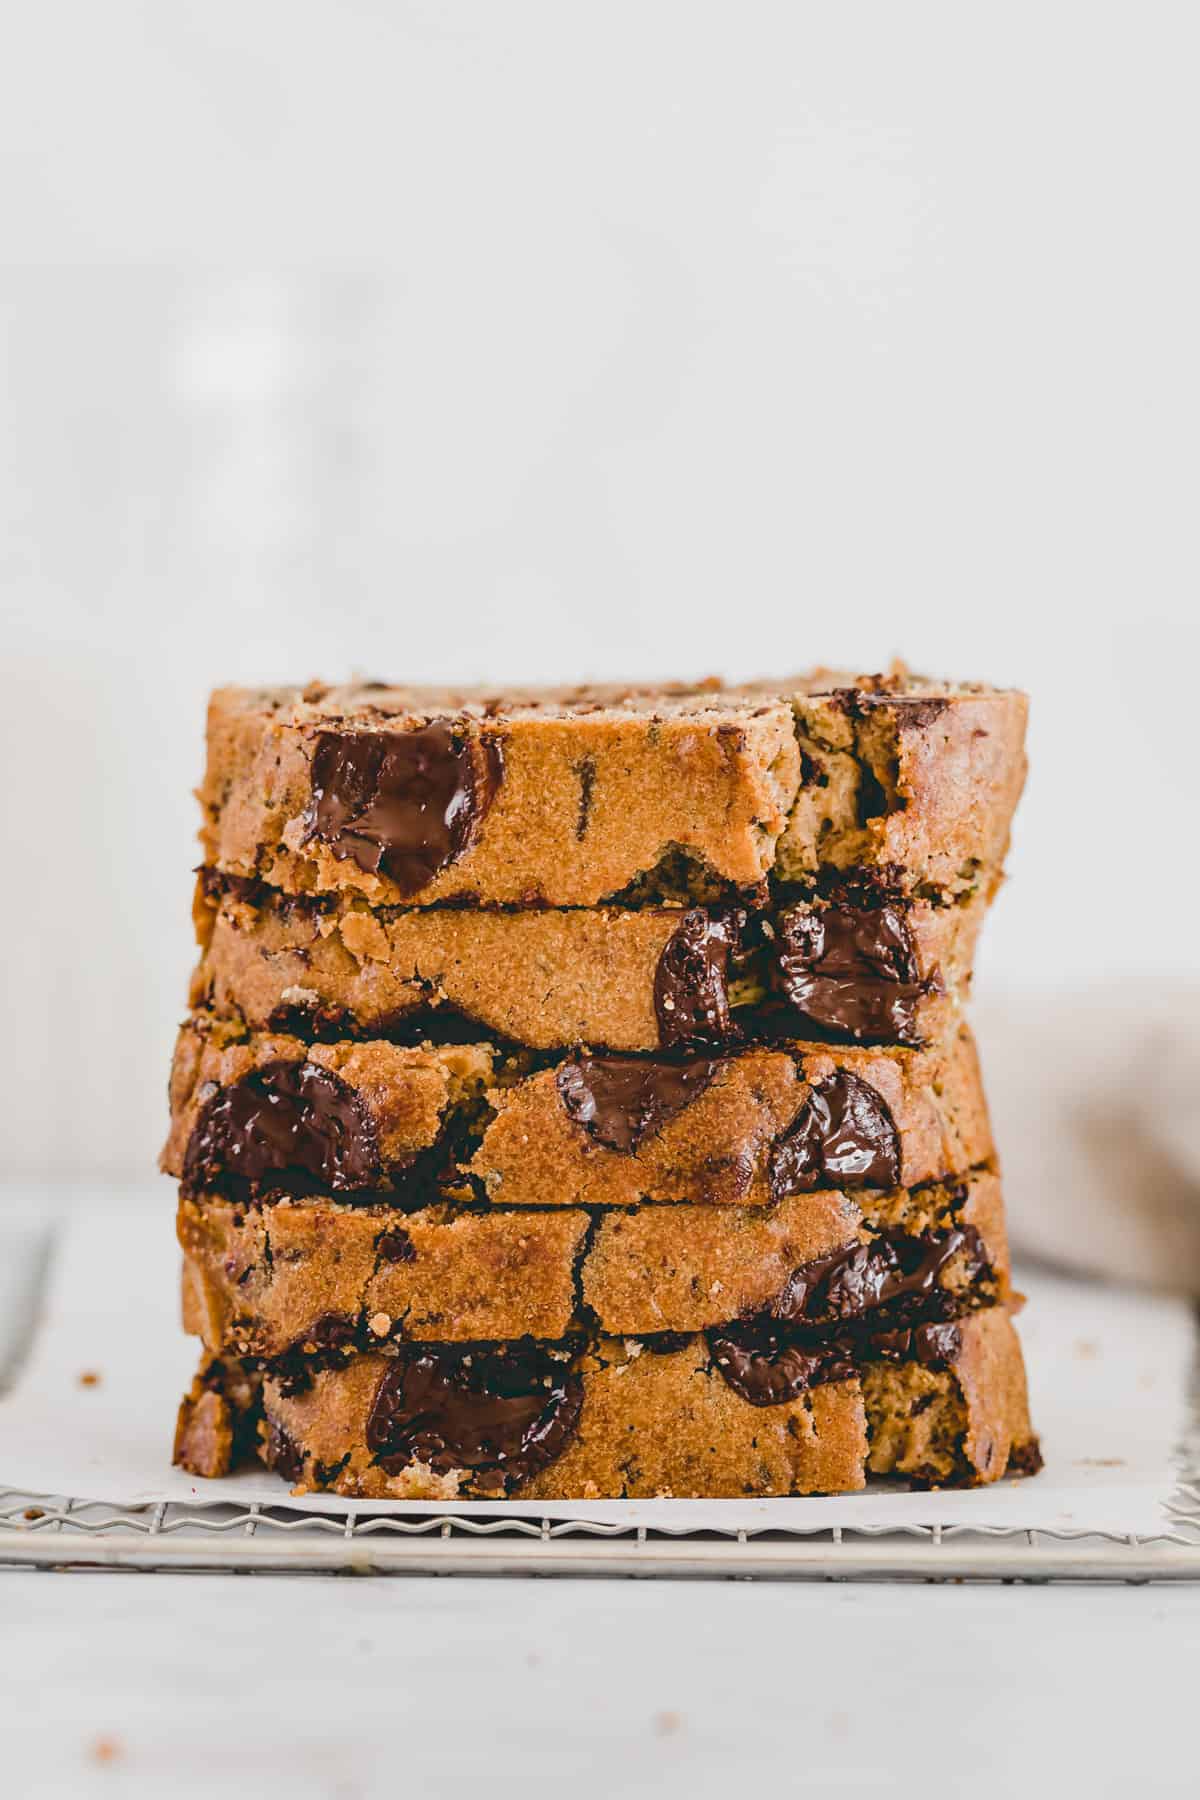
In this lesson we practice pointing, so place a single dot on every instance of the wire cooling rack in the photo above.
(74, 1532)
(57, 1532)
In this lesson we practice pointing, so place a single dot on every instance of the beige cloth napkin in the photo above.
(1095, 1098)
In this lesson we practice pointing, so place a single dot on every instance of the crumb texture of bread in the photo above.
(554, 977)
(257, 1112)
(307, 1275)
(572, 797)
(576, 1099)
(622, 1418)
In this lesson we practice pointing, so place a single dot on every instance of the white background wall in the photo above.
(531, 340)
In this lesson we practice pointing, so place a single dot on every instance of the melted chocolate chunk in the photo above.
(766, 1367)
(288, 1126)
(395, 1246)
(402, 803)
(691, 983)
(620, 1101)
(915, 711)
(928, 1344)
(852, 970)
(282, 1454)
(331, 1332)
(502, 1412)
(892, 1271)
(843, 1136)
(1026, 1458)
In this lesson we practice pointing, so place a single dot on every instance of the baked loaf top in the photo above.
(569, 797)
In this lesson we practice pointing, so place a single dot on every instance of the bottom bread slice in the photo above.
(745, 1411)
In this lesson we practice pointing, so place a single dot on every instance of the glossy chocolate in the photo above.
(691, 983)
(892, 1271)
(852, 971)
(501, 1412)
(844, 1136)
(933, 1345)
(767, 1367)
(621, 1100)
(764, 1361)
(395, 1246)
(280, 1453)
(402, 803)
(288, 1126)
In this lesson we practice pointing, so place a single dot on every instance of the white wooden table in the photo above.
(165, 1686)
(171, 1685)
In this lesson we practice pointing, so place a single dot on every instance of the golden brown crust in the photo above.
(668, 1424)
(599, 786)
(282, 1278)
(204, 1435)
(215, 1426)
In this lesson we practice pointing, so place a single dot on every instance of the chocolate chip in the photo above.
(504, 1412)
(282, 1454)
(872, 694)
(691, 992)
(852, 970)
(843, 1136)
(586, 770)
(403, 804)
(1026, 1458)
(620, 1101)
(931, 1345)
(288, 1125)
(767, 1367)
(915, 712)
(332, 1331)
(892, 1271)
(395, 1246)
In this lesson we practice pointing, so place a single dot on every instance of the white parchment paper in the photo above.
(1109, 1373)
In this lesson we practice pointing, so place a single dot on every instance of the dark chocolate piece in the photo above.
(691, 983)
(767, 1367)
(331, 1332)
(1026, 1458)
(621, 1100)
(505, 1411)
(280, 1453)
(395, 1246)
(932, 1345)
(843, 1136)
(288, 1126)
(852, 970)
(892, 1271)
(872, 693)
(765, 1362)
(402, 803)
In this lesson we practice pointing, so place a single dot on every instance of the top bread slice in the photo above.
(573, 797)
